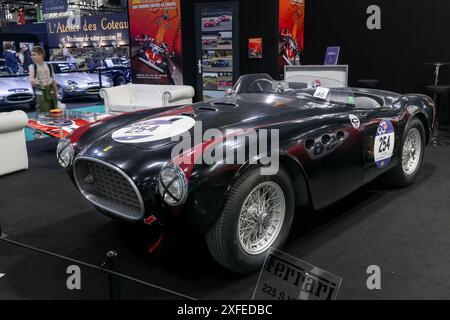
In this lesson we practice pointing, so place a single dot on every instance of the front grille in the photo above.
(93, 90)
(19, 98)
(109, 188)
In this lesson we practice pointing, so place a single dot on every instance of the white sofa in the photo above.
(134, 97)
(13, 149)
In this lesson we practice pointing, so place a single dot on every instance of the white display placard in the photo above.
(321, 93)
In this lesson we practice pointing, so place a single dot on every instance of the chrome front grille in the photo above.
(93, 90)
(19, 98)
(109, 188)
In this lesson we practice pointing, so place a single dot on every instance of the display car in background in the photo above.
(118, 70)
(15, 90)
(73, 83)
(330, 143)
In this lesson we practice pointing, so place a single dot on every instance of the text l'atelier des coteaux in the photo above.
(105, 24)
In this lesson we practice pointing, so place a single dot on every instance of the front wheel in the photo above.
(412, 154)
(61, 94)
(257, 216)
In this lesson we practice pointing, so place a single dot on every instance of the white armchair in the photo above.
(13, 149)
(134, 97)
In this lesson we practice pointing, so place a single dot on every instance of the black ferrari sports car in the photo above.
(322, 144)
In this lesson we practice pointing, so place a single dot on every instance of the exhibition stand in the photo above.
(94, 185)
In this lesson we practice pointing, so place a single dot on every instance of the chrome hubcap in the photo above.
(261, 217)
(412, 149)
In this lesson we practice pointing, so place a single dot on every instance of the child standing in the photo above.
(41, 77)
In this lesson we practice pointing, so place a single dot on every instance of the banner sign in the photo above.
(156, 51)
(54, 6)
(291, 28)
(86, 31)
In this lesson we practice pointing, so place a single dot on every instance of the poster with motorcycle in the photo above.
(291, 29)
(155, 36)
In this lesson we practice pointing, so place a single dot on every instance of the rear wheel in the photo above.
(412, 153)
(257, 216)
(120, 81)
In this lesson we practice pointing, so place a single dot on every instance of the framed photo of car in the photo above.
(255, 48)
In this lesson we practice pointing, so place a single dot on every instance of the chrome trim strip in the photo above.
(111, 210)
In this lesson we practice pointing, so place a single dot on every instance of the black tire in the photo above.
(120, 81)
(223, 238)
(164, 66)
(61, 93)
(397, 176)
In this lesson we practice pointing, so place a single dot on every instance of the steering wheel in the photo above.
(258, 85)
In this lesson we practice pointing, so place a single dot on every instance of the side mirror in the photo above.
(229, 92)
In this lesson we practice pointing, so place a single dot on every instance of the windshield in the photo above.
(4, 70)
(313, 91)
(64, 67)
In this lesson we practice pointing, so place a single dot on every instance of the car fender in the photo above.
(421, 107)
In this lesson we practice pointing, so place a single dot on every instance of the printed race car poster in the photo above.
(291, 27)
(155, 36)
(255, 48)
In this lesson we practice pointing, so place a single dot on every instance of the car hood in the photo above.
(9, 85)
(83, 79)
(143, 146)
(235, 113)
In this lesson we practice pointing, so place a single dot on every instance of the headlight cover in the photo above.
(65, 153)
(173, 185)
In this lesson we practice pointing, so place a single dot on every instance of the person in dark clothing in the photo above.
(91, 65)
(27, 61)
(11, 60)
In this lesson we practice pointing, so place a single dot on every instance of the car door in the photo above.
(333, 159)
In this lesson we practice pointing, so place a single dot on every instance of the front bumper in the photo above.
(17, 99)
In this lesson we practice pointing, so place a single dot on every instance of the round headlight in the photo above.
(64, 153)
(173, 185)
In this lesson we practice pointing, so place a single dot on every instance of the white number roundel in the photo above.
(154, 129)
(384, 144)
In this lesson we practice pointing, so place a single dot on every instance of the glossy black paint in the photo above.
(326, 157)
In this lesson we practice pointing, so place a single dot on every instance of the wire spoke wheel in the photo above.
(412, 149)
(261, 217)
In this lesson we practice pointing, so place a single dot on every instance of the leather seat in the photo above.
(13, 154)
